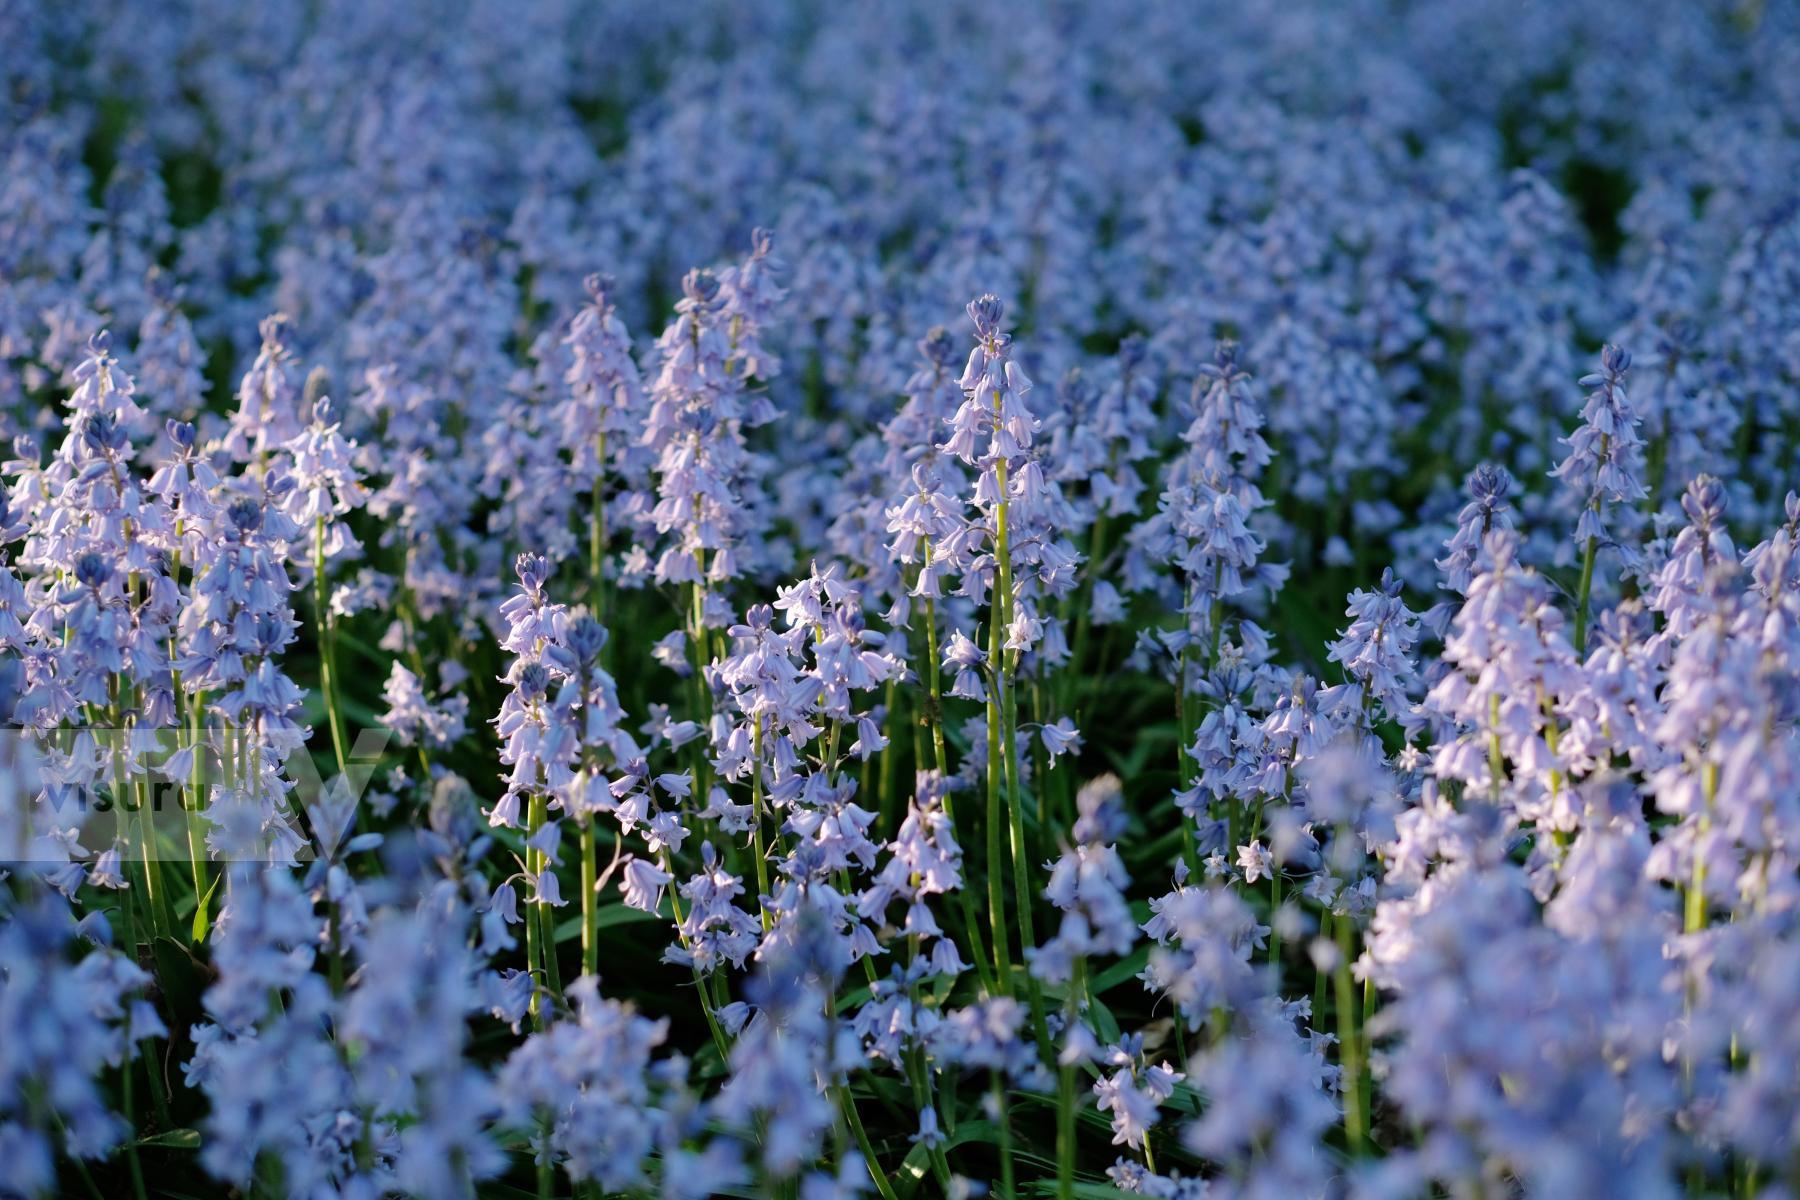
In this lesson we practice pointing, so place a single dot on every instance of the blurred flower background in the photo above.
(914, 599)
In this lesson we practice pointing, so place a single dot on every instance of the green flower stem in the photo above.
(1003, 1118)
(847, 1105)
(1584, 595)
(706, 1006)
(534, 951)
(934, 717)
(193, 800)
(1065, 1092)
(597, 534)
(996, 864)
(756, 816)
(1356, 1119)
(327, 667)
(1005, 672)
(590, 903)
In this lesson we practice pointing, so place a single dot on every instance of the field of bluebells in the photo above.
(803, 600)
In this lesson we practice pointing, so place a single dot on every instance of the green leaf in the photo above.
(203, 912)
(1088, 1191)
(911, 1171)
(1126, 968)
(346, 638)
(606, 918)
(1105, 1024)
(973, 1131)
(173, 1139)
